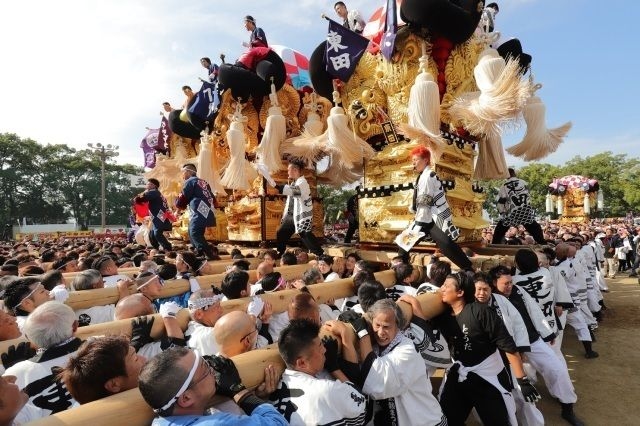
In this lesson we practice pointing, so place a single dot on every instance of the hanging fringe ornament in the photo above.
(423, 110)
(538, 141)
(275, 132)
(600, 200)
(308, 147)
(503, 95)
(491, 163)
(206, 169)
(549, 204)
(350, 149)
(586, 203)
(235, 174)
(435, 145)
(313, 126)
(560, 205)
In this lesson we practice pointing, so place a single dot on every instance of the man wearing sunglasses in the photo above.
(180, 385)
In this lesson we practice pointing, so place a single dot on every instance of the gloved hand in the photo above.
(529, 392)
(255, 306)
(356, 320)
(141, 332)
(331, 354)
(169, 309)
(15, 354)
(228, 382)
(59, 293)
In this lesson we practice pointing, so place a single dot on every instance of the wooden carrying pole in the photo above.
(129, 408)
(218, 266)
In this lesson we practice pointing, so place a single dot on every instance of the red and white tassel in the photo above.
(538, 141)
(275, 132)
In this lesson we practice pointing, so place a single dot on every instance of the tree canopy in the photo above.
(53, 183)
(617, 175)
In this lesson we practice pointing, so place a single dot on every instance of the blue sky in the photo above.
(97, 71)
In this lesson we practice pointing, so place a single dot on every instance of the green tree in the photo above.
(334, 202)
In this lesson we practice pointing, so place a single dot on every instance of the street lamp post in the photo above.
(103, 152)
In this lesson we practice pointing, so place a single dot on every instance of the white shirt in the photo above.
(201, 338)
(96, 315)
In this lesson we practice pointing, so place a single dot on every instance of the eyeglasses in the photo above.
(249, 334)
(208, 371)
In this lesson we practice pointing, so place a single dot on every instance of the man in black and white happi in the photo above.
(393, 373)
(478, 378)
(579, 317)
(304, 399)
(540, 355)
(51, 327)
(515, 209)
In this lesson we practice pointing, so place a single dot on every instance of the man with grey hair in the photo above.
(394, 373)
(50, 327)
(90, 279)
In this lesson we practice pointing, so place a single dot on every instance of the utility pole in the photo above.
(103, 152)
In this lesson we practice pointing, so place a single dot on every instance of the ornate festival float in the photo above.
(424, 74)
(574, 198)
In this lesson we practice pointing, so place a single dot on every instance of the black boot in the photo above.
(589, 352)
(570, 416)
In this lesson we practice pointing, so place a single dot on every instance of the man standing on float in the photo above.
(515, 209)
(433, 215)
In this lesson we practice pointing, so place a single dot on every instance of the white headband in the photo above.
(184, 386)
(148, 281)
(204, 302)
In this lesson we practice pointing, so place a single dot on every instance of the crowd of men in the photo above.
(501, 330)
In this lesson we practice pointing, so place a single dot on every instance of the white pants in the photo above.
(577, 321)
(553, 371)
(602, 283)
(611, 266)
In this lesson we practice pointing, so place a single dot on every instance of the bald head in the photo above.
(263, 269)
(133, 306)
(564, 250)
(235, 333)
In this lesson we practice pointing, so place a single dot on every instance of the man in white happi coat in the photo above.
(393, 372)
(50, 327)
(577, 316)
(298, 210)
(540, 355)
(303, 398)
(432, 213)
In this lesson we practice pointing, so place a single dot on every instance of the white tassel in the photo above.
(206, 170)
(423, 110)
(500, 101)
(491, 163)
(350, 148)
(600, 200)
(235, 174)
(549, 204)
(538, 141)
(313, 126)
(560, 205)
(275, 132)
(586, 203)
